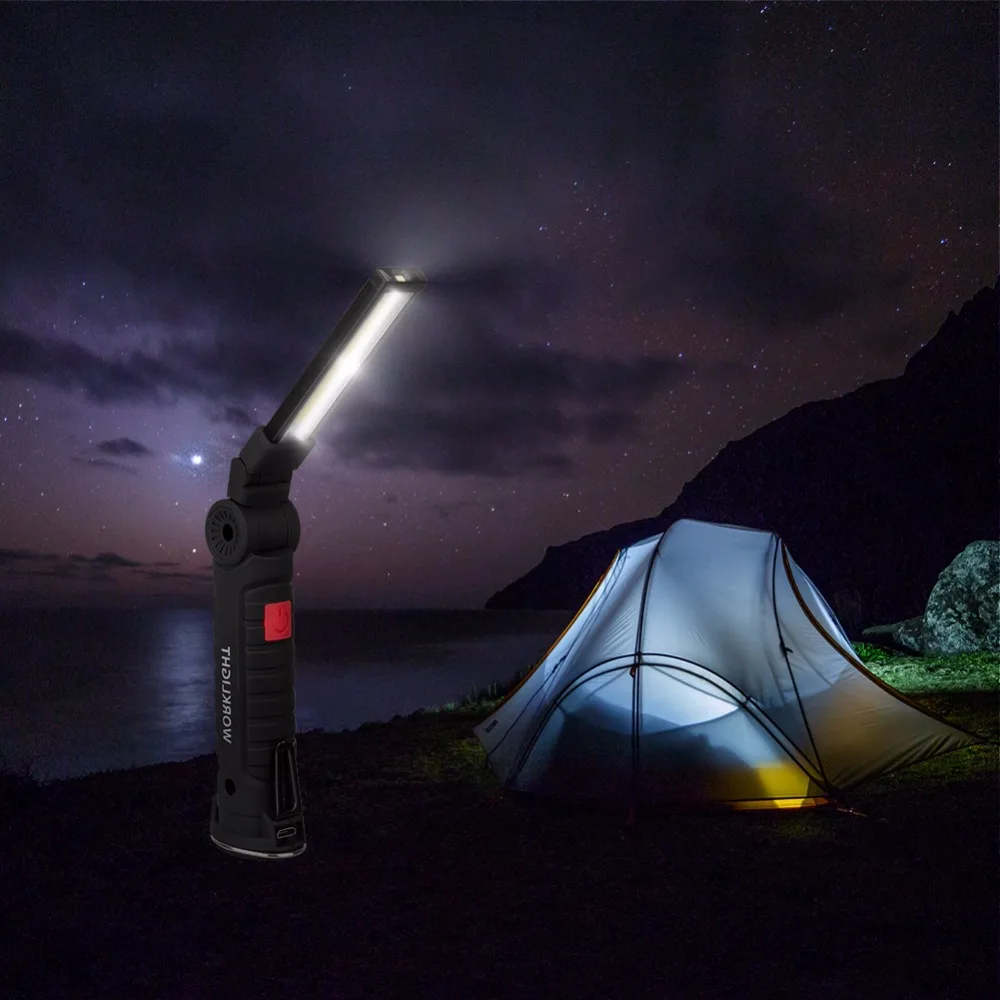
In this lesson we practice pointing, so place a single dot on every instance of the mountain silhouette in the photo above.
(874, 492)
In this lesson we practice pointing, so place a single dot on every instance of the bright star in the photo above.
(196, 459)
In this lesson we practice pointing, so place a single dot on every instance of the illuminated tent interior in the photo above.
(705, 668)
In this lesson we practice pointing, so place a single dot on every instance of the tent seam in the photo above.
(861, 668)
(544, 657)
(784, 652)
(635, 667)
(612, 566)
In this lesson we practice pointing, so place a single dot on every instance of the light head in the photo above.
(262, 473)
(378, 305)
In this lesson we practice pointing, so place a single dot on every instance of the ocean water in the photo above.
(84, 691)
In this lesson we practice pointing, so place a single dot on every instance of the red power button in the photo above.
(277, 621)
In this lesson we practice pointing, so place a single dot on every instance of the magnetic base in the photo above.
(284, 838)
(242, 852)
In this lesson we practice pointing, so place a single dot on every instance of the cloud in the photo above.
(490, 444)
(263, 239)
(10, 556)
(459, 395)
(464, 400)
(521, 291)
(68, 366)
(94, 569)
(237, 416)
(123, 446)
(105, 559)
(87, 574)
(101, 568)
(245, 243)
(765, 251)
(200, 578)
(106, 463)
(447, 509)
(606, 426)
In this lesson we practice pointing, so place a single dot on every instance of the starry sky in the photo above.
(647, 229)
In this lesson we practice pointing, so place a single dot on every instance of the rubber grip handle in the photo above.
(257, 807)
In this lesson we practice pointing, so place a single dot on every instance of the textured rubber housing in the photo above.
(257, 809)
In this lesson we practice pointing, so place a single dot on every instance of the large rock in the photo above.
(906, 636)
(874, 492)
(963, 611)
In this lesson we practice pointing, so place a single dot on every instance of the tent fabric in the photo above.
(705, 668)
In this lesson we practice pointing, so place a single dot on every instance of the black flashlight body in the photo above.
(257, 808)
(252, 536)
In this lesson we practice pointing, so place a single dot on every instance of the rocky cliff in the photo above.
(874, 492)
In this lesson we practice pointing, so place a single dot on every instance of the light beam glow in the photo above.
(372, 328)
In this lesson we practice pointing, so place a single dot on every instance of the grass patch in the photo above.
(484, 698)
(958, 672)
(870, 653)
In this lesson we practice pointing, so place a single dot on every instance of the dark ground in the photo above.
(422, 879)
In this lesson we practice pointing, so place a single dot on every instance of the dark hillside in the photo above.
(874, 492)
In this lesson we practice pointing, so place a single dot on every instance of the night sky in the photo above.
(647, 229)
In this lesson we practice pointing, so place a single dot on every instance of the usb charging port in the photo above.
(286, 831)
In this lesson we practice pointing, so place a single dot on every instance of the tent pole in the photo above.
(791, 673)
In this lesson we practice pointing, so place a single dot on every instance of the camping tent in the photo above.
(705, 668)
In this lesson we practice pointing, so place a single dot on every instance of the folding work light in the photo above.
(257, 809)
